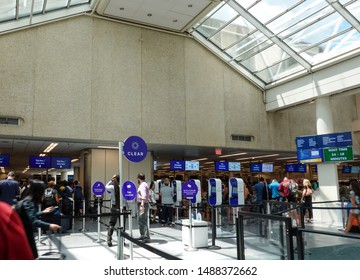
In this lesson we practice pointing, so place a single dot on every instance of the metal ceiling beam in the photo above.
(269, 34)
(345, 14)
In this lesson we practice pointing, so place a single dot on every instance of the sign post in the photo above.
(189, 190)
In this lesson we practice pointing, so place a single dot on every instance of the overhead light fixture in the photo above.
(108, 147)
(26, 169)
(50, 147)
(75, 159)
(232, 155)
(199, 159)
(285, 158)
(2, 169)
(42, 155)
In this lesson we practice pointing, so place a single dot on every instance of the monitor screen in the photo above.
(221, 166)
(301, 168)
(292, 167)
(177, 165)
(355, 169)
(255, 167)
(5, 160)
(234, 166)
(192, 165)
(39, 162)
(61, 162)
(267, 167)
(346, 169)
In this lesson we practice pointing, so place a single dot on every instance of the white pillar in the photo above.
(327, 172)
(64, 175)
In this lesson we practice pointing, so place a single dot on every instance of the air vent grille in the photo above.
(238, 137)
(10, 120)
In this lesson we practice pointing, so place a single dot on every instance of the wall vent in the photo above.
(238, 137)
(10, 120)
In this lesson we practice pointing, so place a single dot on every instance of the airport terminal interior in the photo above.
(217, 89)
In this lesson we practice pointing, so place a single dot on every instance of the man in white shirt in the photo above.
(142, 199)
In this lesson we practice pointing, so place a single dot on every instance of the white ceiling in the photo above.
(176, 15)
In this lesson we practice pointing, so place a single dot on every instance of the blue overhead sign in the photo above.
(221, 166)
(342, 139)
(306, 142)
(177, 165)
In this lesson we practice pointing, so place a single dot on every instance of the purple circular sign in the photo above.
(135, 149)
(189, 190)
(128, 190)
(98, 188)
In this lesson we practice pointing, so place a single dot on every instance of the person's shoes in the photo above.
(109, 243)
(146, 240)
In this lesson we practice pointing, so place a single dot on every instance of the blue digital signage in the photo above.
(39, 162)
(342, 139)
(310, 156)
(255, 167)
(61, 162)
(192, 165)
(221, 166)
(177, 165)
(294, 167)
(4, 160)
(346, 169)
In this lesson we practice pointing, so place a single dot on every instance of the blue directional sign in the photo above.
(341, 139)
(128, 190)
(135, 149)
(306, 142)
(98, 189)
(221, 166)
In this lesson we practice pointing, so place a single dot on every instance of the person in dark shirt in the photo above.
(30, 216)
(9, 189)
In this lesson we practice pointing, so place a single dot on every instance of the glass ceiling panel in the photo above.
(299, 17)
(279, 71)
(354, 9)
(318, 32)
(26, 5)
(299, 31)
(230, 34)
(217, 20)
(55, 4)
(7, 10)
(261, 60)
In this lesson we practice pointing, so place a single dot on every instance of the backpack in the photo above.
(78, 195)
(49, 199)
(292, 188)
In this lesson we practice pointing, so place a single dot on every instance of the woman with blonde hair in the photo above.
(306, 199)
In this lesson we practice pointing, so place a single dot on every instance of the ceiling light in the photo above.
(50, 147)
(285, 158)
(175, 20)
(108, 147)
(199, 159)
(75, 159)
(122, 8)
(149, 15)
(42, 155)
(190, 5)
(238, 154)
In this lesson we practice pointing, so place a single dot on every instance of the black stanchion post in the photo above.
(213, 229)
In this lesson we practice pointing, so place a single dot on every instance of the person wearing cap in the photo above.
(9, 189)
(113, 188)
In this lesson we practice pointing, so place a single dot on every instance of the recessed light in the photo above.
(190, 5)
(175, 20)
(149, 15)
(122, 8)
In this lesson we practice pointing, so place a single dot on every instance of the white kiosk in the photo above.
(215, 191)
(177, 196)
(236, 194)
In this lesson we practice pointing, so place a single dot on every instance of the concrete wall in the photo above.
(86, 78)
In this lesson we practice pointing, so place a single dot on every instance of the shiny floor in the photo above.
(87, 241)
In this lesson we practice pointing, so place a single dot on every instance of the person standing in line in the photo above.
(31, 217)
(167, 201)
(9, 189)
(274, 188)
(14, 244)
(142, 200)
(306, 199)
(113, 188)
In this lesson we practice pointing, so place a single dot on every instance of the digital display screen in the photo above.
(61, 162)
(346, 169)
(267, 167)
(255, 167)
(355, 169)
(177, 165)
(291, 167)
(192, 165)
(5, 160)
(39, 162)
(221, 166)
(234, 166)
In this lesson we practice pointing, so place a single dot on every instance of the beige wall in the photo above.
(87, 78)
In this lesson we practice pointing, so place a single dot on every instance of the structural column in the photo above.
(327, 172)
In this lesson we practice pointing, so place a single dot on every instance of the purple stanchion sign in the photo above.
(135, 149)
(128, 190)
(98, 189)
(189, 190)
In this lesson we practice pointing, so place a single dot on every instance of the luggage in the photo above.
(53, 254)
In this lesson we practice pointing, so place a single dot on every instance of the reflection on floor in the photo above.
(89, 243)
